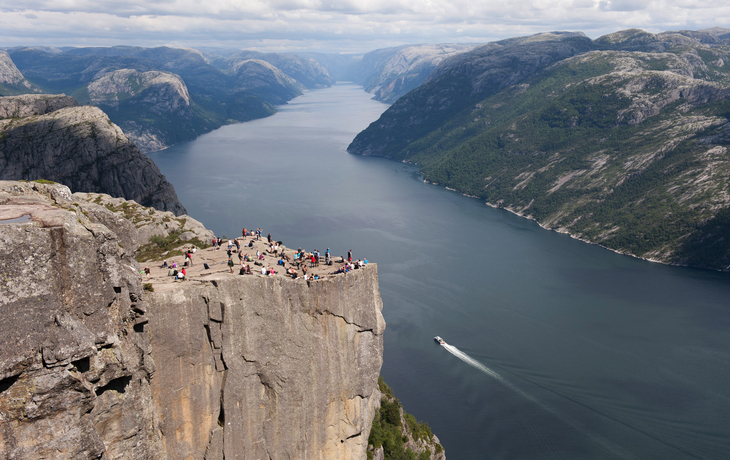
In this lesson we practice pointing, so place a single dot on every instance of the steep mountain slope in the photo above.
(621, 142)
(153, 108)
(214, 99)
(392, 72)
(12, 82)
(78, 147)
(307, 71)
(265, 81)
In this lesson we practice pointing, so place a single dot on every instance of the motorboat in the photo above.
(439, 340)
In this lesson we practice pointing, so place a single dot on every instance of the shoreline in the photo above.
(563, 231)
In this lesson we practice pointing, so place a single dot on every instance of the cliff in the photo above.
(95, 366)
(11, 80)
(49, 137)
(153, 108)
(392, 72)
(621, 141)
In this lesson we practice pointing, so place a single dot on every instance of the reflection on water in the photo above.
(598, 355)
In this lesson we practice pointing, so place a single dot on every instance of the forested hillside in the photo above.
(621, 141)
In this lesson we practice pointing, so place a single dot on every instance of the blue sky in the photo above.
(334, 26)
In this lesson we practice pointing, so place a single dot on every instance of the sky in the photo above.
(345, 26)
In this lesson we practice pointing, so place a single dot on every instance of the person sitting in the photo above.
(164, 264)
(180, 275)
(174, 264)
(263, 270)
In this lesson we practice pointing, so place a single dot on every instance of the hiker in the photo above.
(230, 264)
(349, 255)
(147, 272)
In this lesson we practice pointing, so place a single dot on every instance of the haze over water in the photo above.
(557, 349)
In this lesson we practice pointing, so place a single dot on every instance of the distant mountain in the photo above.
(265, 81)
(159, 96)
(306, 71)
(13, 82)
(52, 138)
(392, 72)
(622, 141)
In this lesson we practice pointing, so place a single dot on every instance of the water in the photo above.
(556, 349)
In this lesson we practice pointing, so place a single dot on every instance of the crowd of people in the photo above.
(249, 255)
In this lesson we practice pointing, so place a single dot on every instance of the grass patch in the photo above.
(388, 430)
(166, 247)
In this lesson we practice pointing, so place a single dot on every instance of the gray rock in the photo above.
(81, 148)
(72, 384)
(33, 104)
(391, 72)
(301, 362)
(92, 366)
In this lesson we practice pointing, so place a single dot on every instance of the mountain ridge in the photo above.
(622, 147)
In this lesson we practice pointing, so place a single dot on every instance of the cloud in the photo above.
(335, 25)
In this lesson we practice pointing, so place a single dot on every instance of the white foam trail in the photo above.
(606, 444)
(476, 364)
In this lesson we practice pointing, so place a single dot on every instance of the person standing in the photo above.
(349, 255)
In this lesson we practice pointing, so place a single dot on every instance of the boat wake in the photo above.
(477, 365)
(604, 443)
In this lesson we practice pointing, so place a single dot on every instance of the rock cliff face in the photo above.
(79, 147)
(392, 72)
(266, 81)
(133, 99)
(93, 366)
(171, 94)
(11, 80)
(266, 367)
(74, 367)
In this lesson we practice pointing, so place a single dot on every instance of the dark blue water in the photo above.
(562, 349)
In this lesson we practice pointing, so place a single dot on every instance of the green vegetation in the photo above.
(389, 432)
(148, 287)
(164, 247)
(44, 181)
(570, 147)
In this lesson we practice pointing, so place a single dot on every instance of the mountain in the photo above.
(12, 82)
(213, 97)
(153, 108)
(52, 138)
(307, 71)
(392, 72)
(265, 81)
(621, 141)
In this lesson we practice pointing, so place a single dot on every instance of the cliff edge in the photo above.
(51, 137)
(93, 365)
